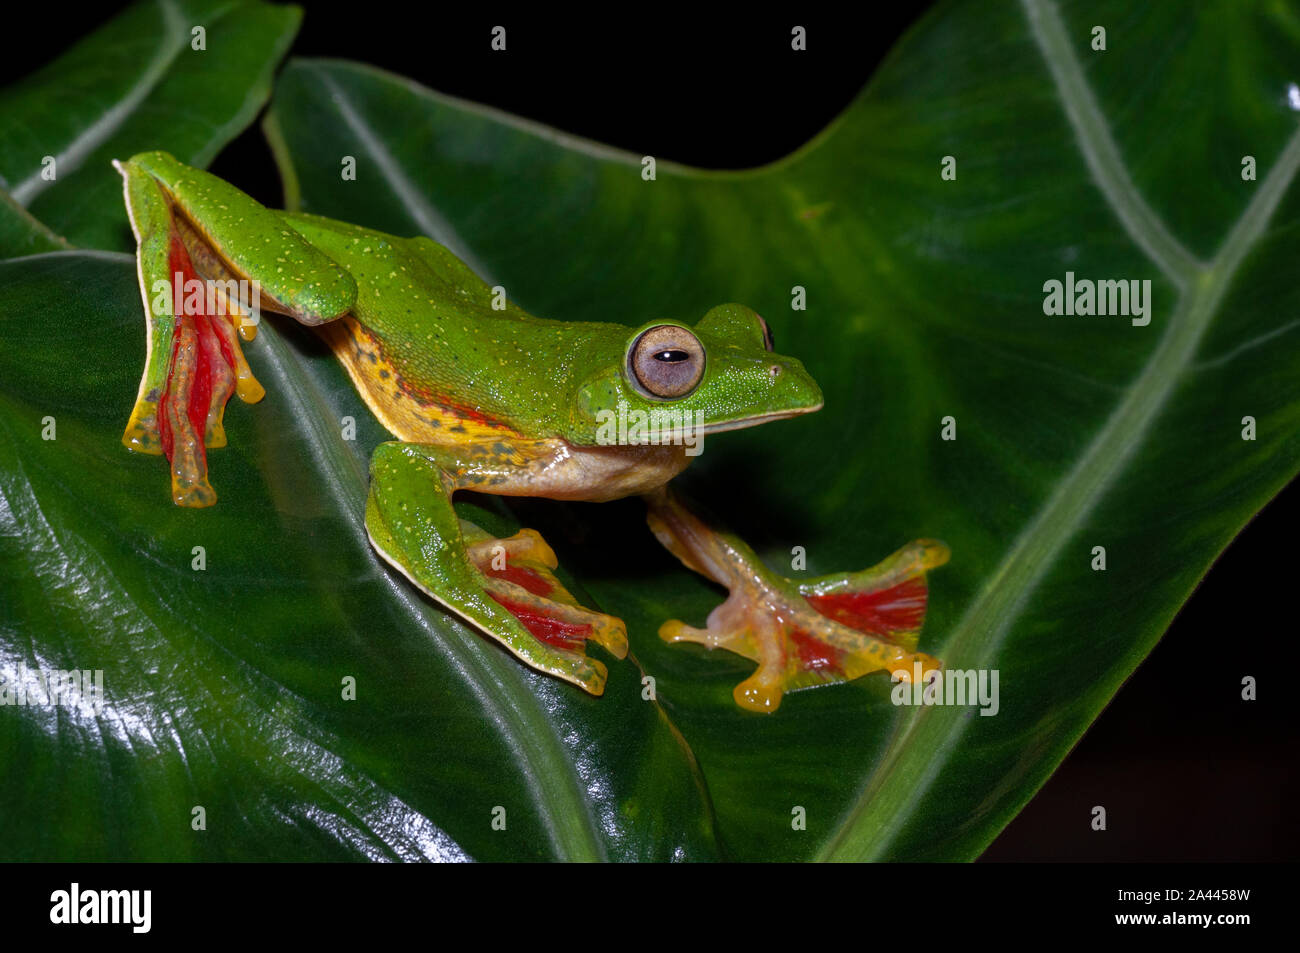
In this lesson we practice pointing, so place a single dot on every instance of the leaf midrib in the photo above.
(74, 154)
(898, 786)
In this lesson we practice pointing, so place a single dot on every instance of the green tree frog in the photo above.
(494, 400)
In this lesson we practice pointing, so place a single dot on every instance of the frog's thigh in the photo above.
(801, 633)
(237, 237)
(505, 587)
(190, 224)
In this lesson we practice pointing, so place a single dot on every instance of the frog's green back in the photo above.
(418, 333)
(434, 360)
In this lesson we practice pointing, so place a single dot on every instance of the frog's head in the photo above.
(720, 375)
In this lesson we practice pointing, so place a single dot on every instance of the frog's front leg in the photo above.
(207, 255)
(801, 633)
(505, 587)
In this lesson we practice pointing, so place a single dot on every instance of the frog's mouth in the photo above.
(724, 426)
(658, 431)
(681, 434)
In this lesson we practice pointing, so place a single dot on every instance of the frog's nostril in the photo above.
(775, 370)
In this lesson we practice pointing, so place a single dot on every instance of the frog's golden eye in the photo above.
(666, 362)
(769, 339)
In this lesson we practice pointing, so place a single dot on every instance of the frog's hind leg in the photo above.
(194, 362)
(208, 255)
(801, 633)
(505, 587)
(181, 404)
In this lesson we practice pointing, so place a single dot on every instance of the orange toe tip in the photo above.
(757, 696)
(672, 631)
(195, 496)
(931, 553)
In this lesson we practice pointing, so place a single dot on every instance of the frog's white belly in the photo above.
(557, 470)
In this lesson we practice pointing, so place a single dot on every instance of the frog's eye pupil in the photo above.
(666, 362)
(769, 339)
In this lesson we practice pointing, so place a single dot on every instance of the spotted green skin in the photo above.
(480, 394)
(436, 321)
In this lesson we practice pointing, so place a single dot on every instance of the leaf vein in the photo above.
(898, 786)
(1099, 150)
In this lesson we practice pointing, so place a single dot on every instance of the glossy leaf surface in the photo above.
(924, 301)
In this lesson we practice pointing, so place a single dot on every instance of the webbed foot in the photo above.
(195, 365)
(801, 633)
(518, 574)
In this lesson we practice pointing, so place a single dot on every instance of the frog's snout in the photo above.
(797, 388)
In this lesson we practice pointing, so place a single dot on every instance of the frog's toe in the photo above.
(198, 383)
(674, 630)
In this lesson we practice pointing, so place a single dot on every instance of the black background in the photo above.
(1186, 770)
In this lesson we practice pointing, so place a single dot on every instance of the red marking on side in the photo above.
(565, 635)
(464, 411)
(900, 608)
(432, 398)
(529, 579)
(815, 656)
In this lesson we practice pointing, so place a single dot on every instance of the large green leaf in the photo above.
(21, 234)
(140, 82)
(223, 686)
(925, 301)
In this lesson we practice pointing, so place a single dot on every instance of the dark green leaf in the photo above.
(223, 687)
(136, 84)
(20, 234)
(925, 300)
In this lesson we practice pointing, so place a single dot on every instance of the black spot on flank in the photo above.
(383, 375)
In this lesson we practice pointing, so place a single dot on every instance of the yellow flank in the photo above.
(406, 415)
